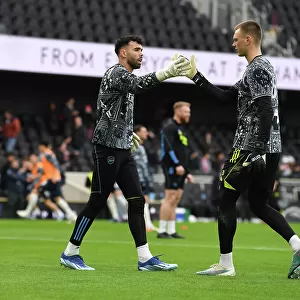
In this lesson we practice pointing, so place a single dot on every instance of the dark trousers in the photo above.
(110, 166)
(260, 186)
(15, 202)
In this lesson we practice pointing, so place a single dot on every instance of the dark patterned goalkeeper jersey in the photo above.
(258, 80)
(114, 125)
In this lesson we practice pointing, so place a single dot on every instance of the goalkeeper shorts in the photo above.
(233, 175)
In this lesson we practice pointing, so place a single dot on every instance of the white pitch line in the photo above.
(179, 244)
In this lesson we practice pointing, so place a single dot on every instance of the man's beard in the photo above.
(134, 65)
(183, 121)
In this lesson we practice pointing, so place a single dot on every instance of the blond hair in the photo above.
(251, 28)
(179, 104)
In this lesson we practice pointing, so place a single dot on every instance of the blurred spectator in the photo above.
(151, 146)
(72, 146)
(218, 162)
(206, 165)
(9, 158)
(287, 165)
(296, 171)
(79, 136)
(194, 161)
(89, 118)
(69, 112)
(207, 144)
(53, 120)
(10, 129)
(16, 180)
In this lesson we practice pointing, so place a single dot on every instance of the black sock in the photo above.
(136, 221)
(227, 219)
(86, 218)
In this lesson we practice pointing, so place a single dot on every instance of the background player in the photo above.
(141, 159)
(52, 189)
(174, 159)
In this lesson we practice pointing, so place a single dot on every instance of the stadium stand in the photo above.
(162, 23)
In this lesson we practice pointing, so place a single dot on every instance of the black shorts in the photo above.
(172, 180)
(115, 165)
(50, 190)
(237, 178)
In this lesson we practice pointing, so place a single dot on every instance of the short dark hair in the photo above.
(44, 143)
(252, 28)
(10, 154)
(138, 127)
(124, 40)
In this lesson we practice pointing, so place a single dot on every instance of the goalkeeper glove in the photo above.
(193, 68)
(177, 66)
(135, 143)
(255, 161)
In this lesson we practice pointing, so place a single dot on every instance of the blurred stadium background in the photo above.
(54, 52)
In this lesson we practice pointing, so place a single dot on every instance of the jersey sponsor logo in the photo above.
(182, 138)
(110, 160)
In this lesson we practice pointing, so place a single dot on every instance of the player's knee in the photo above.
(171, 197)
(136, 205)
(96, 202)
(258, 208)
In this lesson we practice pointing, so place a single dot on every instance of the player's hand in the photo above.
(256, 160)
(136, 143)
(180, 170)
(190, 178)
(177, 66)
(193, 68)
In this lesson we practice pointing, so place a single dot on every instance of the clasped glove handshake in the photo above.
(255, 161)
(178, 66)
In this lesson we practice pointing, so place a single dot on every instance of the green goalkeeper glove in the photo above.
(136, 143)
(177, 66)
(193, 68)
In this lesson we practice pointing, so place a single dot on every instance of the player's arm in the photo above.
(261, 86)
(142, 166)
(169, 135)
(123, 80)
(16, 176)
(137, 155)
(208, 88)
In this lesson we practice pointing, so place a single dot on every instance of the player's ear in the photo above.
(123, 52)
(248, 40)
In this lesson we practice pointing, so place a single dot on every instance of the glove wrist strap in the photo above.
(199, 79)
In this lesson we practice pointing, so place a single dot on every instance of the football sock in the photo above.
(171, 227)
(162, 226)
(72, 249)
(226, 260)
(144, 253)
(295, 243)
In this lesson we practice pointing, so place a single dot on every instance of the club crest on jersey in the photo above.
(110, 160)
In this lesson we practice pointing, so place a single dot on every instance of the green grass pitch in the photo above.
(30, 268)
